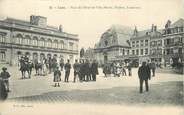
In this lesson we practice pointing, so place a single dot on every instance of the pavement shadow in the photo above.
(165, 93)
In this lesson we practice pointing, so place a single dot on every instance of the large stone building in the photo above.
(173, 36)
(164, 46)
(35, 39)
(114, 44)
(146, 45)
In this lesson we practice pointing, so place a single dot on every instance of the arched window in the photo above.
(55, 45)
(35, 41)
(46, 43)
(61, 44)
(49, 43)
(19, 39)
(42, 42)
(27, 40)
(70, 45)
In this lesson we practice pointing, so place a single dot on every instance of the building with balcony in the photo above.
(173, 35)
(114, 44)
(36, 40)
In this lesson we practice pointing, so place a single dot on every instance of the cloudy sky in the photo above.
(90, 23)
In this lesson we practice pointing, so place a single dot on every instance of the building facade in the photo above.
(113, 45)
(156, 46)
(36, 40)
(173, 36)
(140, 46)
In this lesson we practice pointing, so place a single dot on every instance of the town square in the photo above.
(90, 60)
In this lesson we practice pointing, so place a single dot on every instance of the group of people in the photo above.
(117, 69)
(84, 70)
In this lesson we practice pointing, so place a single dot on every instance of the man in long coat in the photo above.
(144, 74)
(76, 68)
(87, 70)
(82, 70)
(67, 70)
(94, 70)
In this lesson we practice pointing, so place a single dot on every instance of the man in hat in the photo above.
(76, 68)
(144, 75)
(94, 70)
(67, 70)
(5, 77)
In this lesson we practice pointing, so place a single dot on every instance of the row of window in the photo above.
(174, 30)
(173, 51)
(140, 52)
(173, 41)
(156, 52)
(41, 43)
(124, 52)
(156, 43)
(140, 43)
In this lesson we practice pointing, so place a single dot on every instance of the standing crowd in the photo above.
(84, 70)
(117, 69)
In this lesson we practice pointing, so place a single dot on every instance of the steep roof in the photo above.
(148, 32)
(121, 34)
(178, 23)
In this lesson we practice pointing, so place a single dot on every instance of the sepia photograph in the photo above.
(91, 57)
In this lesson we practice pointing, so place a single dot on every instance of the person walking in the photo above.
(57, 77)
(94, 70)
(3, 92)
(4, 75)
(123, 70)
(76, 68)
(67, 70)
(153, 68)
(144, 74)
(129, 69)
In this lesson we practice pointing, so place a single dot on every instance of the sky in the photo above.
(90, 23)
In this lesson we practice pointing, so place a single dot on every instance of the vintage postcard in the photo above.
(91, 57)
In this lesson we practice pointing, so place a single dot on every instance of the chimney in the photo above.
(38, 20)
(60, 28)
(135, 31)
(152, 28)
(155, 28)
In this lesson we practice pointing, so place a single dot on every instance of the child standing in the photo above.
(57, 77)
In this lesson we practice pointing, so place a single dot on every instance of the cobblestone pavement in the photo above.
(165, 89)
